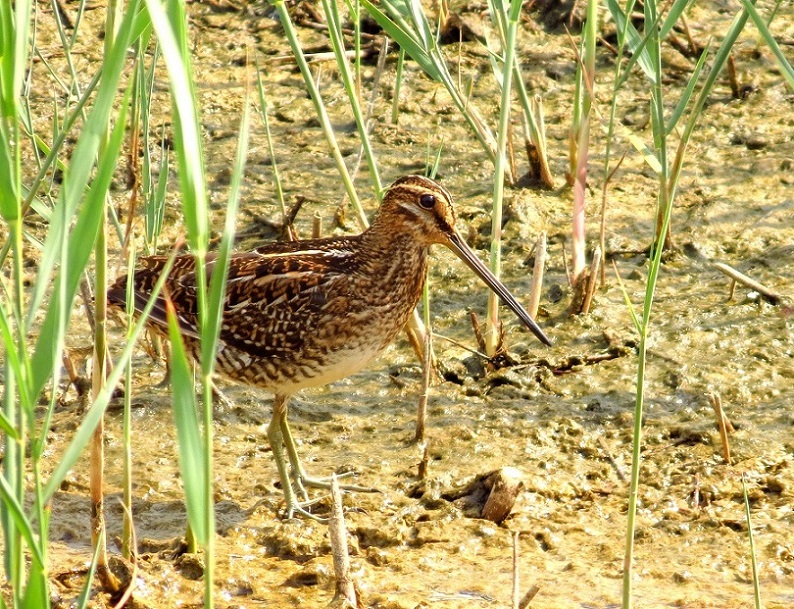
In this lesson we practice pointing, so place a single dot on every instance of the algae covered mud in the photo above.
(562, 415)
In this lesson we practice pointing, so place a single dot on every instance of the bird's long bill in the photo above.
(465, 253)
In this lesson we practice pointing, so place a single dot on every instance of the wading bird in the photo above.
(307, 313)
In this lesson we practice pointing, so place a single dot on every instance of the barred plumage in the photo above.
(306, 313)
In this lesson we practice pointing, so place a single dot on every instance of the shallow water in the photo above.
(563, 416)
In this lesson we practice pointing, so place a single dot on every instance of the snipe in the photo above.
(306, 313)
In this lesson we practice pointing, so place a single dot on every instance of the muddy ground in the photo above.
(562, 416)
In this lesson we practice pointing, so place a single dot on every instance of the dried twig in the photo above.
(591, 280)
(772, 297)
(337, 534)
(528, 597)
(537, 276)
(723, 424)
(427, 370)
(422, 468)
(696, 492)
(317, 225)
(693, 252)
(475, 324)
(732, 80)
(515, 570)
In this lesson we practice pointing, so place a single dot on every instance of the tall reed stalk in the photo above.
(508, 15)
(646, 49)
(579, 140)
(319, 107)
(33, 348)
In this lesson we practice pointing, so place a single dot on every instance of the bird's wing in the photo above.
(274, 295)
(145, 277)
(275, 299)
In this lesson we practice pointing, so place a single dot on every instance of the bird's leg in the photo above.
(277, 442)
(302, 479)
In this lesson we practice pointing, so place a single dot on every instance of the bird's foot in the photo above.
(300, 481)
(325, 483)
(298, 508)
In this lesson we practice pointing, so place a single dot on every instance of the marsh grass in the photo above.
(320, 110)
(507, 16)
(74, 231)
(579, 147)
(406, 22)
(194, 425)
(33, 350)
(667, 160)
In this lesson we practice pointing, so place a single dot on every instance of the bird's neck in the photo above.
(394, 257)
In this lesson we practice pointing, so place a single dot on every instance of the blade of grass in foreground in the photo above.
(748, 518)
(192, 459)
(49, 343)
(23, 580)
(492, 328)
(70, 238)
(170, 26)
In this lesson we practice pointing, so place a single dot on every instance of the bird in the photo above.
(306, 313)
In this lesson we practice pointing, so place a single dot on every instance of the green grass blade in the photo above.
(751, 539)
(418, 42)
(81, 243)
(632, 39)
(348, 79)
(172, 37)
(14, 30)
(398, 81)
(720, 58)
(17, 512)
(264, 106)
(221, 266)
(188, 429)
(85, 593)
(37, 592)
(766, 34)
(320, 111)
(83, 160)
(629, 305)
(686, 96)
(492, 327)
(14, 365)
(673, 14)
(408, 39)
(57, 144)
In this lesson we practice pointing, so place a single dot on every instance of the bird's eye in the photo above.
(427, 201)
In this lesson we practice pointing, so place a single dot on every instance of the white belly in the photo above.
(345, 363)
